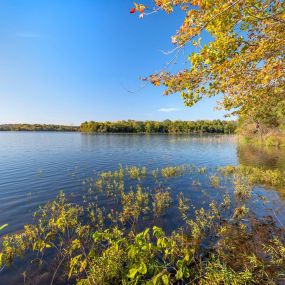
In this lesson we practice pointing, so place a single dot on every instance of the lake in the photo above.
(36, 166)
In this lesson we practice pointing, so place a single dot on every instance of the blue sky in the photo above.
(69, 61)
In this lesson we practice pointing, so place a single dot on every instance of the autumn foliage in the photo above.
(244, 61)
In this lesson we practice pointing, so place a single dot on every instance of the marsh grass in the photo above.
(172, 171)
(215, 181)
(256, 175)
(121, 242)
(271, 139)
(135, 172)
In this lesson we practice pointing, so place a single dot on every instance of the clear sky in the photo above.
(68, 61)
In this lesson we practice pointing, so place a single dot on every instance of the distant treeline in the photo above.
(38, 127)
(165, 127)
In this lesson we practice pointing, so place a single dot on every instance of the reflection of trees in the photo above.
(268, 157)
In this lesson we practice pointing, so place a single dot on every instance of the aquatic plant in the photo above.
(171, 171)
(161, 201)
(134, 204)
(221, 243)
(256, 175)
(242, 186)
(155, 173)
(183, 205)
(135, 172)
(3, 227)
(215, 181)
(202, 169)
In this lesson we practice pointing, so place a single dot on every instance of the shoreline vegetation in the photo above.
(271, 139)
(38, 128)
(161, 127)
(248, 134)
(131, 126)
(227, 240)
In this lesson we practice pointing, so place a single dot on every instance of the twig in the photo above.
(1, 269)
(51, 282)
(132, 91)
(278, 219)
(170, 51)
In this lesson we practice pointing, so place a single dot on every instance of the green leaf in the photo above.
(4, 226)
(179, 274)
(132, 252)
(186, 272)
(143, 268)
(165, 279)
(132, 273)
(145, 232)
(155, 279)
(187, 257)
(157, 231)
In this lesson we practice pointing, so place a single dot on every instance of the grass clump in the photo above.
(256, 175)
(271, 139)
(161, 202)
(136, 173)
(171, 171)
(215, 181)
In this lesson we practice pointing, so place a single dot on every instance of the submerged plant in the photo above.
(134, 204)
(242, 187)
(161, 201)
(183, 205)
(256, 175)
(171, 171)
(215, 181)
(135, 172)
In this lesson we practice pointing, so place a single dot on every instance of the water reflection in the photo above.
(267, 157)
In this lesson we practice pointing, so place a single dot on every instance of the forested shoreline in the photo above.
(164, 127)
(131, 126)
(38, 127)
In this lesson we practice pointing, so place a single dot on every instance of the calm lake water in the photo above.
(36, 166)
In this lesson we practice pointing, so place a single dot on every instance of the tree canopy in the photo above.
(244, 61)
(165, 127)
(38, 127)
